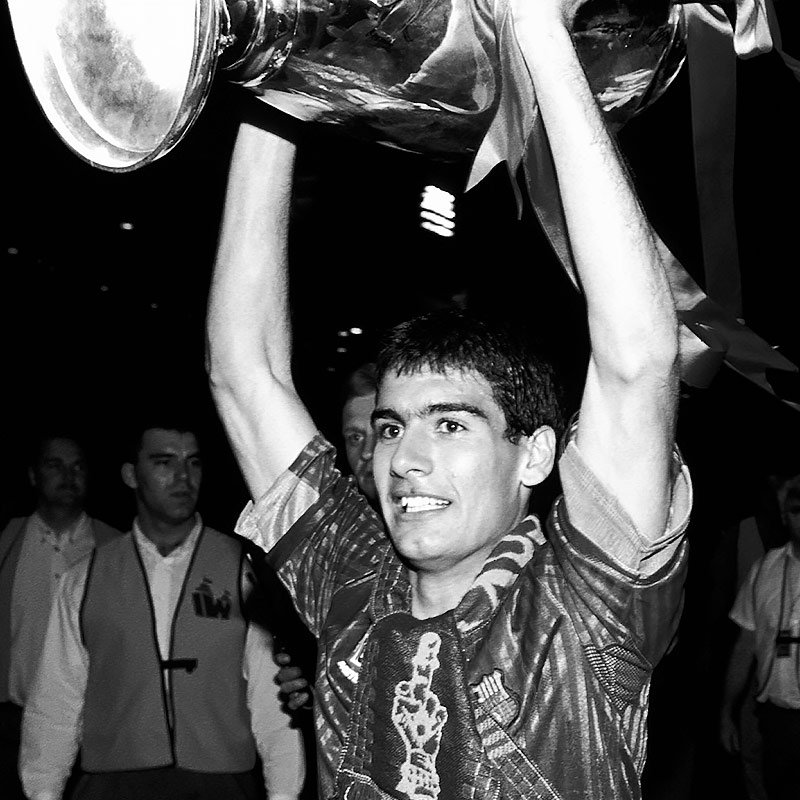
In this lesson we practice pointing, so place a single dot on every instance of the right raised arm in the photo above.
(248, 348)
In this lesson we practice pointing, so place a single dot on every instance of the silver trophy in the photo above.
(122, 81)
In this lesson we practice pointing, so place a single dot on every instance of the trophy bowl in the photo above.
(121, 82)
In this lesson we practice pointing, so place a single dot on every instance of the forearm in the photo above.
(737, 675)
(248, 319)
(629, 402)
(279, 744)
(629, 303)
(51, 722)
(248, 324)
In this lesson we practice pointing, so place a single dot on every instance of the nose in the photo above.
(68, 474)
(369, 447)
(182, 471)
(411, 454)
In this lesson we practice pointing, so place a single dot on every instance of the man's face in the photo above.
(450, 484)
(359, 441)
(60, 475)
(167, 475)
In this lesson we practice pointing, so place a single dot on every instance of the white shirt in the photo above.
(51, 726)
(44, 556)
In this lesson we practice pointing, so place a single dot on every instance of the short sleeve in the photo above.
(319, 531)
(743, 611)
(611, 532)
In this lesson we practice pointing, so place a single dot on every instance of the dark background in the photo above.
(98, 321)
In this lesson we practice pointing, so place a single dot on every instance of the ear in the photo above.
(539, 455)
(32, 477)
(129, 476)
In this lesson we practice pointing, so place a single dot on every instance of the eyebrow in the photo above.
(432, 410)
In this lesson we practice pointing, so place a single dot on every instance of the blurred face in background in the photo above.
(359, 441)
(59, 475)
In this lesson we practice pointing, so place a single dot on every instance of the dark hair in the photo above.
(523, 383)
(44, 438)
(362, 381)
(168, 421)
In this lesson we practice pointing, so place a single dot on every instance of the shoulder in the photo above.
(13, 525)
(771, 560)
(111, 547)
(105, 527)
(224, 536)
(228, 542)
(104, 532)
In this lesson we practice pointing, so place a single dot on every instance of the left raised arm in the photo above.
(628, 409)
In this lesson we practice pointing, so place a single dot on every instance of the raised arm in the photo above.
(627, 416)
(248, 327)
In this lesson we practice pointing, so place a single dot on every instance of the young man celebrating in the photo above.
(468, 654)
(153, 665)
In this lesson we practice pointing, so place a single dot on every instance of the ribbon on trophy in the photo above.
(712, 331)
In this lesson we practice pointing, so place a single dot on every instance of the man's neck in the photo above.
(434, 593)
(59, 518)
(165, 536)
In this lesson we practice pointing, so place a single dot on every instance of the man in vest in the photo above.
(465, 649)
(34, 552)
(154, 667)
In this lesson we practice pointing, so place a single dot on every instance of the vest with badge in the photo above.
(133, 719)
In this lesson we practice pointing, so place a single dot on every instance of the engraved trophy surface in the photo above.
(122, 82)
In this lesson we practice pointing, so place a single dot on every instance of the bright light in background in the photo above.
(126, 226)
(356, 331)
(437, 211)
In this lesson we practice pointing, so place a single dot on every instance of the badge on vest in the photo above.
(207, 604)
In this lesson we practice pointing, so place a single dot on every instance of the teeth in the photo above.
(413, 504)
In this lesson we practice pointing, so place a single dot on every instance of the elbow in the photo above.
(642, 357)
(222, 369)
(215, 367)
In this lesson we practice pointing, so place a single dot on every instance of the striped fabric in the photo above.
(558, 635)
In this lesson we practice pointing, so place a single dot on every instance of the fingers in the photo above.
(299, 685)
(289, 674)
(298, 700)
(293, 687)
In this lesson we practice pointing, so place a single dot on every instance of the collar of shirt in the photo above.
(78, 530)
(509, 557)
(186, 547)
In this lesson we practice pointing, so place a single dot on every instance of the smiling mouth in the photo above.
(415, 504)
